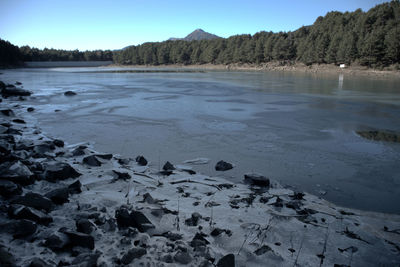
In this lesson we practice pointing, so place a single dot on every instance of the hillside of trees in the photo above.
(368, 38)
(34, 54)
(10, 55)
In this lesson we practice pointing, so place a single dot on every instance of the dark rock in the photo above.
(130, 232)
(58, 143)
(13, 91)
(59, 196)
(69, 93)
(87, 259)
(227, 261)
(60, 171)
(22, 212)
(109, 225)
(167, 258)
(6, 258)
(92, 161)
(262, 250)
(134, 219)
(30, 109)
(297, 196)
(123, 161)
(84, 226)
(223, 166)
(44, 147)
(295, 205)
(172, 236)
(166, 173)
(217, 232)
(75, 187)
(193, 220)
(19, 121)
(18, 83)
(199, 240)
(13, 131)
(191, 172)
(257, 179)
(34, 200)
(57, 241)
(37, 262)
(104, 156)
(80, 239)
(141, 161)
(16, 172)
(168, 166)
(132, 254)
(122, 175)
(182, 257)
(78, 151)
(148, 198)
(9, 189)
(19, 229)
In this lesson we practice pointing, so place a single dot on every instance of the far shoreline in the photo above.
(276, 66)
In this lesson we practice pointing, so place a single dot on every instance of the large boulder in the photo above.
(256, 179)
(86, 259)
(223, 166)
(141, 160)
(16, 172)
(19, 229)
(132, 254)
(6, 258)
(34, 200)
(69, 93)
(92, 161)
(60, 171)
(59, 196)
(183, 257)
(168, 166)
(44, 147)
(227, 261)
(13, 91)
(28, 213)
(56, 241)
(75, 187)
(9, 189)
(84, 226)
(7, 112)
(79, 239)
(134, 219)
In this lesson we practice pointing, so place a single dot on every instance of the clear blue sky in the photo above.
(113, 24)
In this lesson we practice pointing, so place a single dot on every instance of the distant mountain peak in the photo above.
(198, 34)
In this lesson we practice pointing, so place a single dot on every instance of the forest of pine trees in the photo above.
(368, 38)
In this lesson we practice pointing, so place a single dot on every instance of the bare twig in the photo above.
(322, 255)
(298, 253)
(177, 219)
(244, 241)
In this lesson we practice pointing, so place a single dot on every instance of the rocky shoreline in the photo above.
(295, 67)
(69, 205)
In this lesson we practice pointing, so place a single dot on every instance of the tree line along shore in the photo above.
(370, 39)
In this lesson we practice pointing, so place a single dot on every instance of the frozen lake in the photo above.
(298, 129)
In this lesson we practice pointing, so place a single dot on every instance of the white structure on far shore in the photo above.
(342, 66)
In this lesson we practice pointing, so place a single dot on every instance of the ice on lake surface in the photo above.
(298, 129)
